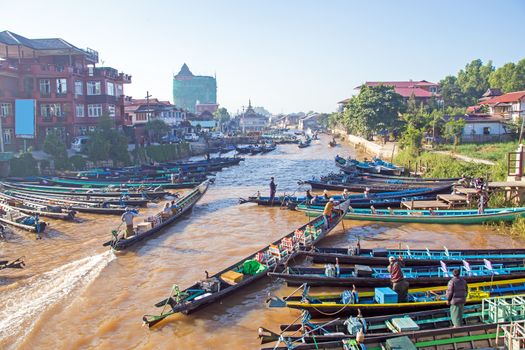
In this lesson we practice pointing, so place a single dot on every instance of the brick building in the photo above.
(70, 92)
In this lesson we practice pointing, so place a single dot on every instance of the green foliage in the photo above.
(222, 115)
(490, 151)
(162, 153)
(156, 128)
(453, 130)
(442, 165)
(25, 165)
(451, 92)
(376, 109)
(474, 80)
(54, 146)
(412, 139)
(509, 77)
(77, 162)
(106, 142)
(516, 228)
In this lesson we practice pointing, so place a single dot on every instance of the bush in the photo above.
(25, 165)
(77, 162)
(162, 153)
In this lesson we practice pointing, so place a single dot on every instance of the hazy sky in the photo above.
(285, 55)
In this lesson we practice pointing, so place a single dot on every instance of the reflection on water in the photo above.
(75, 295)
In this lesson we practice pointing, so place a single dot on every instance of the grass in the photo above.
(489, 151)
(516, 229)
(442, 165)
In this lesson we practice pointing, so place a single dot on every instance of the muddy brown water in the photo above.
(76, 294)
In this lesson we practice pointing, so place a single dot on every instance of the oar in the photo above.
(153, 320)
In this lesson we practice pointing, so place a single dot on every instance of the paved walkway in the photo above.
(465, 158)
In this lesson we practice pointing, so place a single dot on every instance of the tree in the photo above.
(106, 142)
(376, 109)
(412, 139)
(509, 77)
(222, 116)
(451, 92)
(412, 106)
(454, 129)
(157, 128)
(474, 80)
(54, 146)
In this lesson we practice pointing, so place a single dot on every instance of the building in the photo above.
(203, 121)
(140, 111)
(250, 121)
(481, 127)
(51, 86)
(510, 106)
(191, 90)
(421, 90)
(312, 121)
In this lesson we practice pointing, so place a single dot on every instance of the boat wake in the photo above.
(24, 305)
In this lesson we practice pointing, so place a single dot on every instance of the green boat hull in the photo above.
(460, 217)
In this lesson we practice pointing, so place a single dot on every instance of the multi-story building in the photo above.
(251, 121)
(190, 90)
(69, 91)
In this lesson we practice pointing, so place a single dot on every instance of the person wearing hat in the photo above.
(273, 189)
(457, 291)
(399, 283)
(127, 218)
(367, 192)
(325, 194)
(327, 212)
(344, 195)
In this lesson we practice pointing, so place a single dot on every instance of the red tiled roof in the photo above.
(506, 98)
(409, 91)
(400, 84)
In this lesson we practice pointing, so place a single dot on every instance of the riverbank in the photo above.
(386, 150)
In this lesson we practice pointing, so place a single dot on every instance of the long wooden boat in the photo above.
(419, 276)
(93, 207)
(411, 257)
(476, 336)
(247, 270)
(15, 264)
(359, 178)
(8, 203)
(372, 197)
(448, 216)
(374, 186)
(89, 192)
(330, 333)
(376, 166)
(304, 144)
(160, 221)
(293, 201)
(16, 218)
(102, 184)
(427, 298)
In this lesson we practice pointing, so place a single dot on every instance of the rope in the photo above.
(327, 313)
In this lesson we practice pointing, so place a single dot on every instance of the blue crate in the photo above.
(385, 295)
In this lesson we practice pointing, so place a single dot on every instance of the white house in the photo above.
(252, 121)
(483, 128)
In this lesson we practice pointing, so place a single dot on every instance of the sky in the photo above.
(285, 55)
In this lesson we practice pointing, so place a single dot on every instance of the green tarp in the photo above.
(252, 267)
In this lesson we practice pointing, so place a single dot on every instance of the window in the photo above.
(5, 109)
(48, 110)
(79, 110)
(120, 90)
(110, 89)
(93, 87)
(95, 110)
(486, 130)
(79, 88)
(61, 86)
(111, 110)
(82, 131)
(8, 136)
(45, 87)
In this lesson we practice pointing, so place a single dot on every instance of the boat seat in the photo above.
(468, 269)
(488, 266)
(443, 268)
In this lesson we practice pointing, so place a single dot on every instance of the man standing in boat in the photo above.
(399, 283)
(457, 291)
(127, 218)
(273, 189)
(327, 212)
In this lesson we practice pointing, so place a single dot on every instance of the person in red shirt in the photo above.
(399, 283)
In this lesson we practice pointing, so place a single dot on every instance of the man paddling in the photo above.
(127, 218)
(457, 291)
(327, 212)
(399, 283)
(273, 189)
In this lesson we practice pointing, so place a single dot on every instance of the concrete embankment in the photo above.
(386, 150)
